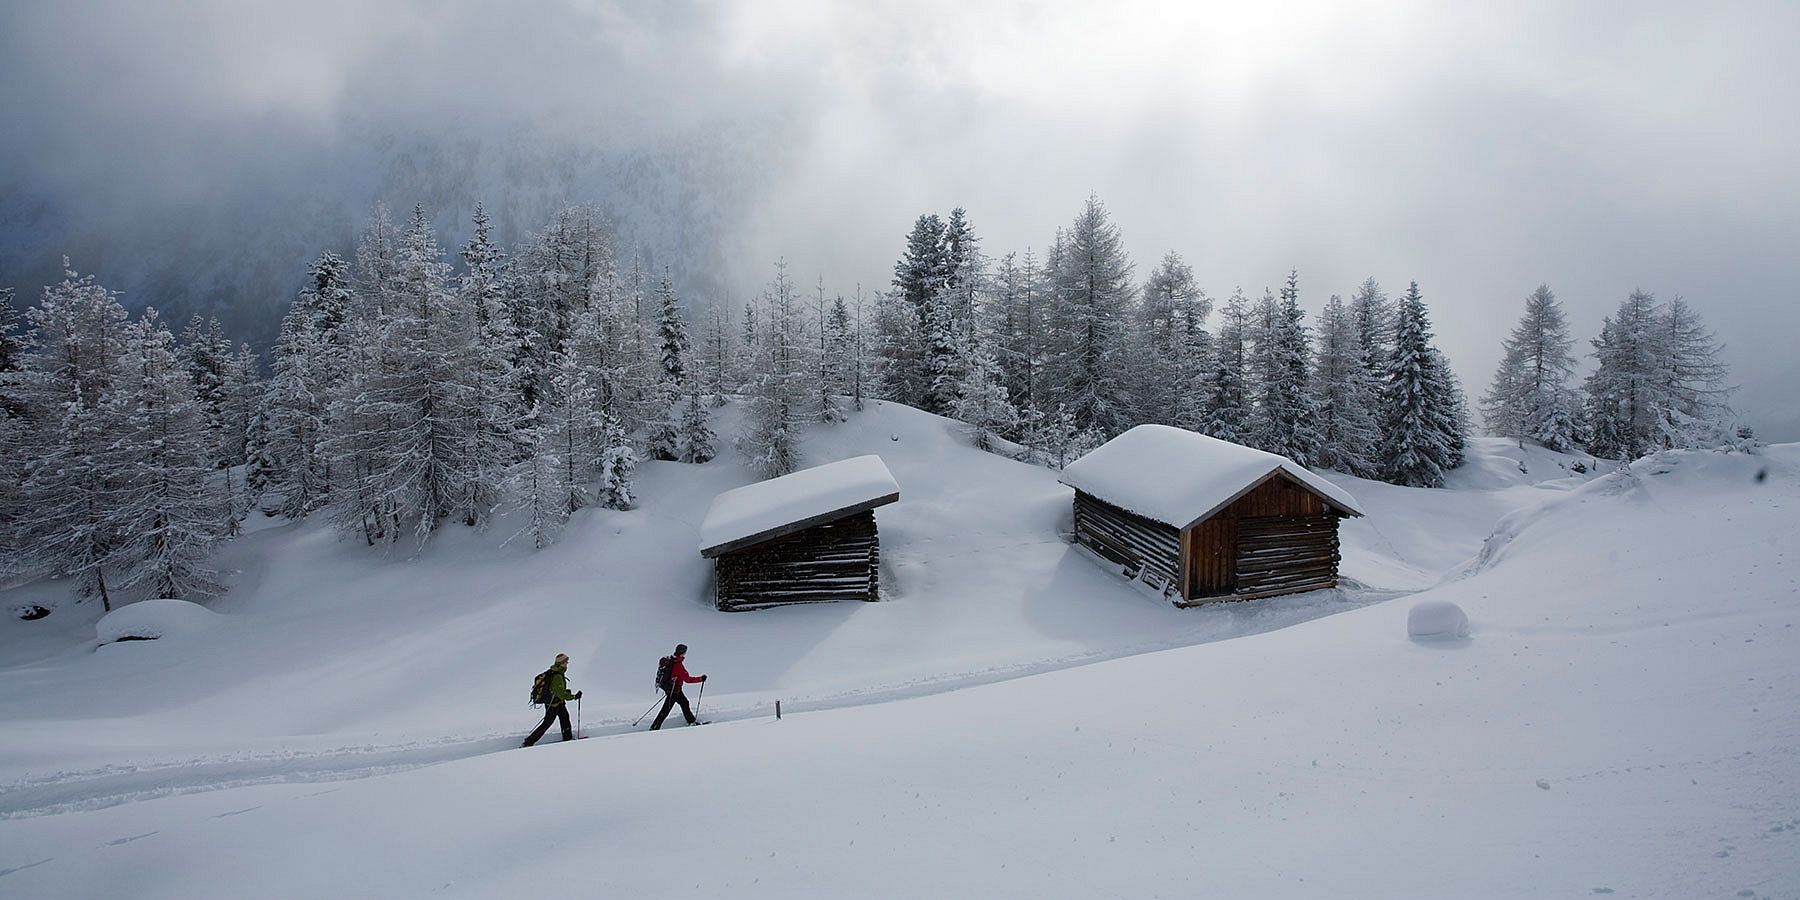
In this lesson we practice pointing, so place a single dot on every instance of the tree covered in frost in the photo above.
(72, 476)
(1658, 382)
(830, 324)
(1373, 316)
(1091, 297)
(1284, 419)
(905, 330)
(1530, 397)
(981, 399)
(1346, 393)
(698, 443)
(777, 393)
(1421, 406)
(496, 394)
(1171, 343)
(1225, 409)
(617, 467)
(664, 438)
(165, 516)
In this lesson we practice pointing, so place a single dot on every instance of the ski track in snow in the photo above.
(82, 790)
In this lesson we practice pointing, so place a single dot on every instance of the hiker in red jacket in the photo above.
(678, 675)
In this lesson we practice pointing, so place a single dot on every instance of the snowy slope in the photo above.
(1623, 717)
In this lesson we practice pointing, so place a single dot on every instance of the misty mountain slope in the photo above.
(241, 249)
(1621, 721)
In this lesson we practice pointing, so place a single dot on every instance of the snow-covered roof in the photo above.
(767, 509)
(1178, 477)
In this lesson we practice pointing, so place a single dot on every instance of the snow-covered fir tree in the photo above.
(1284, 419)
(1224, 412)
(618, 467)
(827, 355)
(698, 443)
(981, 400)
(771, 435)
(1091, 296)
(905, 332)
(664, 428)
(1374, 318)
(1171, 342)
(540, 483)
(494, 384)
(1421, 404)
(1623, 392)
(166, 517)
(1347, 395)
(14, 430)
(1530, 397)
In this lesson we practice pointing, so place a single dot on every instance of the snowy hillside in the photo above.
(1013, 719)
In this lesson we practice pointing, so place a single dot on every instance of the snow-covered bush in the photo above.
(1437, 620)
(148, 620)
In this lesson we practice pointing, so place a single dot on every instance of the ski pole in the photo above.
(647, 711)
(698, 697)
(578, 730)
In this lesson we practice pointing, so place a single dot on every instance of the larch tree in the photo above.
(166, 517)
(71, 480)
(1092, 297)
(771, 435)
(1530, 397)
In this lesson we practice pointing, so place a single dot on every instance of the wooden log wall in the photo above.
(838, 560)
(1128, 539)
(1286, 554)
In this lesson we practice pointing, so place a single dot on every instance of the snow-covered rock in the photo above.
(1436, 620)
(152, 619)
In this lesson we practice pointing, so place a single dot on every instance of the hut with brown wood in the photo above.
(1207, 520)
(805, 537)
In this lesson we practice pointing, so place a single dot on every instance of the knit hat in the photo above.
(562, 657)
(680, 649)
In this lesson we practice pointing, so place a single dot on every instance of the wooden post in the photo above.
(778, 710)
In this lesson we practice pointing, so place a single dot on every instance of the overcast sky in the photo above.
(1598, 147)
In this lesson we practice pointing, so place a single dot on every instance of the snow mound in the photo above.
(148, 620)
(1437, 620)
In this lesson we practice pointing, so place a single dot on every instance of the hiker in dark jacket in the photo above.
(557, 707)
(678, 675)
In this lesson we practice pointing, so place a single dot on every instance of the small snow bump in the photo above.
(1543, 785)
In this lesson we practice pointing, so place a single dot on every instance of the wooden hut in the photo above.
(1205, 519)
(806, 537)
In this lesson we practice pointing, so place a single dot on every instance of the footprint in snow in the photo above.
(127, 840)
(1542, 784)
(6, 872)
(236, 812)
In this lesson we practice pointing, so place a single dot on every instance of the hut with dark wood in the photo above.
(1207, 520)
(806, 537)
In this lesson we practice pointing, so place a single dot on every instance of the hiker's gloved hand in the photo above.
(703, 678)
(578, 695)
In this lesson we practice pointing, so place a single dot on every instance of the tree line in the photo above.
(405, 393)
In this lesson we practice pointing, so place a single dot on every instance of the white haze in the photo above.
(1598, 147)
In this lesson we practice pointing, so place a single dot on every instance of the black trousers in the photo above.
(675, 696)
(552, 712)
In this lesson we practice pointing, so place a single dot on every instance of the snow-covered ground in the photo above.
(1013, 720)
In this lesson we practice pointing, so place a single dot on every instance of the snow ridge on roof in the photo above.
(766, 506)
(1175, 476)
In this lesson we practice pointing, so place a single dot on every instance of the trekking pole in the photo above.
(699, 697)
(579, 732)
(647, 711)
